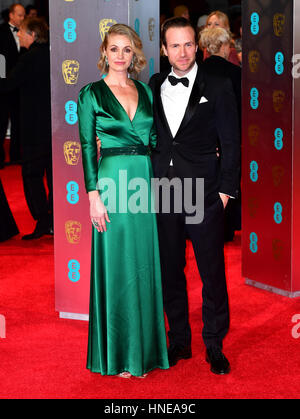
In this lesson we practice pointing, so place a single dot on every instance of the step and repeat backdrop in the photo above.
(77, 28)
(270, 158)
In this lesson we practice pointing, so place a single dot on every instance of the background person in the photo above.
(220, 19)
(9, 102)
(8, 226)
(217, 40)
(32, 76)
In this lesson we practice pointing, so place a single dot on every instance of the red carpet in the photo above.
(43, 356)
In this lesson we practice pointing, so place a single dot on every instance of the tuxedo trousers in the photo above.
(36, 168)
(207, 239)
(10, 110)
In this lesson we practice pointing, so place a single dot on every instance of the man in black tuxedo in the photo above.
(32, 76)
(9, 103)
(194, 116)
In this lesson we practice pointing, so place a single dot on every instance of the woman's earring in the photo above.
(106, 61)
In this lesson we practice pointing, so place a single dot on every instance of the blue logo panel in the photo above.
(70, 34)
(254, 23)
(253, 243)
(254, 94)
(72, 196)
(278, 142)
(71, 116)
(254, 171)
(278, 213)
(74, 270)
(279, 60)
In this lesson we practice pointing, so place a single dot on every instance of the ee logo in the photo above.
(278, 142)
(74, 268)
(279, 60)
(71, 112)
(72, 196)
(278, 213)
(137, 26)
(151, 67)
(70, 34)
(254, 94)
(254, 23)
(253, 171)
(253, 242)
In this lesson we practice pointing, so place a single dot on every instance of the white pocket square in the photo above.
(203, 100)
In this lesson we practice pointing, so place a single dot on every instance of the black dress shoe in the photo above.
(218, 362)
(175, 353)
(38, 232)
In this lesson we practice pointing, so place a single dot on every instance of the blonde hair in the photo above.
(222, 17)
(139, 60)
(213, 38)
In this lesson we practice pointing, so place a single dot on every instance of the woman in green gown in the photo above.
(126, 328)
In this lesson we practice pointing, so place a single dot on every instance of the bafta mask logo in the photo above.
(278, 100)
(151, 28)
(72, 150)
(279, 24)
(70, 70)
(253, 134)
(253, 206)
(104, 26)
(73, 231)
(277, 175)
(277, 248)
(253, 59)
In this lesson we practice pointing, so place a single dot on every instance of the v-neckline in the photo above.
(121, 106)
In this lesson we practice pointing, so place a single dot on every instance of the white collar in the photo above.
(191, 75)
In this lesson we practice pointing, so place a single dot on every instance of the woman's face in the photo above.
(119, 52)
(215, 22)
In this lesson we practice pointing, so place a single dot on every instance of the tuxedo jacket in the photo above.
(8, 47)
(32, 76)
(210, 122)
(222, 67)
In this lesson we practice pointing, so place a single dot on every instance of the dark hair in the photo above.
(39, 27)
(175, 22)
(29, 8)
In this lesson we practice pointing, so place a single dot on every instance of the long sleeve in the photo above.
(87, 134)
(153, 134)
(227, 123)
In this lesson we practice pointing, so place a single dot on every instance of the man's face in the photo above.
(17, 16)
(181, 49)
(26, 39)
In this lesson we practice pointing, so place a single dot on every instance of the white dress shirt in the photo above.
(15, 36)
(175, 99)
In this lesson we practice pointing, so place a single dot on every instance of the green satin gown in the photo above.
(126, 326)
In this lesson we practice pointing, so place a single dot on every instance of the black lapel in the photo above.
(160, 108)
(195, 97)
(11, 38)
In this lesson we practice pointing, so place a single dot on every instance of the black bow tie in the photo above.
(174, 80)
(15, 29)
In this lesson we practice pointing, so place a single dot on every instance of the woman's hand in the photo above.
(98, 212)
(98, 142)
